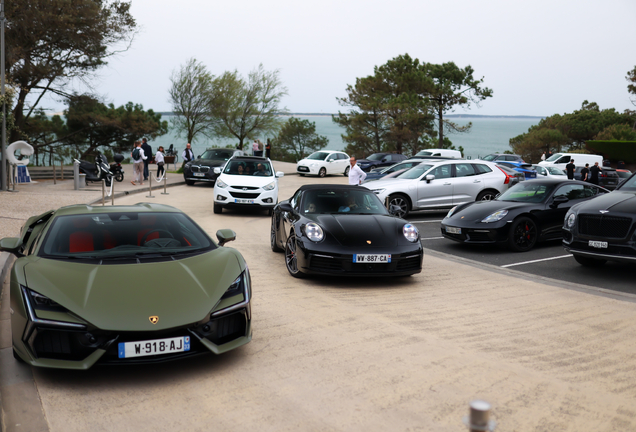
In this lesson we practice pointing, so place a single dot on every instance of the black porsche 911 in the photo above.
(528, 212)
(343, 230)
(603, 229)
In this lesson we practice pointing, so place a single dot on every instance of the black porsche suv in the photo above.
(603, 229)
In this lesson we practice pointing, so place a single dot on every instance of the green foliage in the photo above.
(631, 87)
(298, 138)
(614, 150)
(617, 132)
(190, 99)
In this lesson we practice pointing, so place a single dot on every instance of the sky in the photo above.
(539, 57)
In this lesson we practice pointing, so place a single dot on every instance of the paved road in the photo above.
(342, 354)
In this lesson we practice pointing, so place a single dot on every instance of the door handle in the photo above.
(476, 181)
(447, 184)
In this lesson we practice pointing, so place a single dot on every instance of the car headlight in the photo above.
(450, 213)
(496, 216)
(270, 186)
(377, 191)
(235, 288)
(220, 183)
(569, 220)
(410, 232)
(313, 164)
(314, 232)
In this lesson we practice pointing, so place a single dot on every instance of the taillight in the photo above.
(508, 177)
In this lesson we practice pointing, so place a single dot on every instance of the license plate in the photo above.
(154, 347)
(243, 201)
(199, 174)
(372, 258)
(453, 230)
(598, 244)
(302, 168)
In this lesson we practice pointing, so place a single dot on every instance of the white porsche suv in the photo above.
(246, 181)
(441, 184)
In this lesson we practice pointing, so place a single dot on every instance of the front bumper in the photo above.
(307, 169)
(488, 234)
(230, 197)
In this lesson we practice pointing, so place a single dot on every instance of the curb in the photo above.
(136, 191)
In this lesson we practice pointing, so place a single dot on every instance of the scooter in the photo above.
(116, 169)
(96, 172)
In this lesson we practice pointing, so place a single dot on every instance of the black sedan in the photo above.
(202, 168)
(528, 212)
(603, 229)
(343, 230)
(378, 160)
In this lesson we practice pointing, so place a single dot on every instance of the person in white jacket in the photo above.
(138, 164)
(356, 175)
(159, 160)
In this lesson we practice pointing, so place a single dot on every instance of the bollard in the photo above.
(61, 170)
(103, 192)
(149, 188)
(14, 178)
(76, 176)
(165, 180)
(112, 191)
(54, 179)
(479, 418)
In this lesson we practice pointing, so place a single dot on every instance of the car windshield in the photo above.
(217, 154)
(376, 156)
(624, 174)
(415, 172)
(489, 157)
(555, 171)
(248, 167)
(554, 157)
(345, 201)
(629, 184)
(123, 235)
(424, 153)
(318, 156)
(528, 191)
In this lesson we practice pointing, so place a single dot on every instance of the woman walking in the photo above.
(160, 162)
(138, 157)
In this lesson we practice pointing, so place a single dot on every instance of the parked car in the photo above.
(498, 157)
(202, 168)
(623, 173)
(124, 285)
(607, 178)
(522, 167)
(377, 160)
(441, 184)
(247, 181)
(549, 171)
(525, 214)
(447, 153)
(603, 229)
(513, 176)
(343, 230)
(324, 162)
(379, 173)
(560, 160)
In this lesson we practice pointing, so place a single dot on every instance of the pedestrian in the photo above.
(585, 173)
(147, 151)
(255, 148)
(543, 157)
(160, 162)
(138, 158)
(594, 172)
(268, 149)
(569, 168)
(260, 148)
(356, 175)
(187, 155)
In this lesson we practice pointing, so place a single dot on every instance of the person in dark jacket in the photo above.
(594, 172)
(268, 149)
(148, 152)
(585, 173)
(569, 168)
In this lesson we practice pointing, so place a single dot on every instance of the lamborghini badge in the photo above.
(154, 319)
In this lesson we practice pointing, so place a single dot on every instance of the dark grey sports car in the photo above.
(343, 230)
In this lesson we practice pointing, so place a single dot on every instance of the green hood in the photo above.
(123, 297)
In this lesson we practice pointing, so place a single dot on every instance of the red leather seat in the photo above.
(147, 221)
(81, 240)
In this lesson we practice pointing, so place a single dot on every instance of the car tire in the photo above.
(487, 195)
(401, 201)
(189, 182)
(119, 176)
(17, 357)
(291, 261)
(523, 235)
(218, 209)
(346, 173)
(272, 237)
(589, 262)
(322, 172)
(302, 175)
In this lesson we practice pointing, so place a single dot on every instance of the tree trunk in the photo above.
(440, 116)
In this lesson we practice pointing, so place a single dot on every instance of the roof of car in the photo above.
(250, 158)
(330, 187)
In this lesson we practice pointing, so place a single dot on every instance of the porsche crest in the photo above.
(368, 241)
(154, 319)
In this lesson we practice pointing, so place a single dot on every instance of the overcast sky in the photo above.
(539, 57)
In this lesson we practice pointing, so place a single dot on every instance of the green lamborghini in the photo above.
(124, 284)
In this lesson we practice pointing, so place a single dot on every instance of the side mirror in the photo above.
(225, 235)
(384, 160)
(11, 245)
(280, 174)
(395, 209)
(199, 157)
(330, 160)
(286, 207)
(217, 170)
(559, 200)
(430, 177)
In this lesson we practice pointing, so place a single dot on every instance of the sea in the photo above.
(489, 134)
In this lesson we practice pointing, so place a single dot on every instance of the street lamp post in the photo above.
(3, 183)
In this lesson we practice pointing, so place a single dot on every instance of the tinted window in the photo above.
(591, 191)
(464, 170)
(318, 156)
(376, 156)
(248, 167)
(527, 191)
(540, 169)
(482, 169)
(571, 192)
(564, 159)
(415, 172)
(357, 201)
(490, 157)
(555, 171)
(217, 154)
(441, 172)
(554, 157)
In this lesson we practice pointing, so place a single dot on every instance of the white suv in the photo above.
(246, 181)
(324, 162)
(441, 184)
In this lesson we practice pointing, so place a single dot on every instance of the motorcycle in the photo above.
(98, 171)
(116, 169)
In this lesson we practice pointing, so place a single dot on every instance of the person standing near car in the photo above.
(187, 155)
(147, 151)
(585, 173)
(160, 162)
(543, 156)
(594, 172)
(138, 157)
(255, 148)
(569, 168)
(356, 175)
(268, 149)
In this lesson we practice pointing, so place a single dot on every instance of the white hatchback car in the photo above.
(246, 181)
(324, 162)
(441, 184)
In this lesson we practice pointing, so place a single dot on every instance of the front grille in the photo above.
(322, 263)
(604, 226)
(344, 263)
(479, 236)
(202, 169)
(59, 344)
(246, 188)
(229, 328)
(244, 195)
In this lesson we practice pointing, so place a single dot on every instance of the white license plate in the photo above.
(372, 258)
(598, 244)
(453, 230)
(154, 347)
(243, 201)
(199, 174)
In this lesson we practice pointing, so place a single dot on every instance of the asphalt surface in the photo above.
(547, 259)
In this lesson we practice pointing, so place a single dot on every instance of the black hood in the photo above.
(209, 162)
(478, 210)
(619, 202)
(359, 230)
